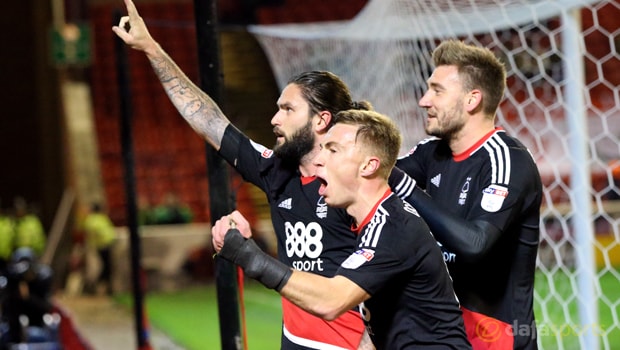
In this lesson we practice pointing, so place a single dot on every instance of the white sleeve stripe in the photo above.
(258, 147)
(493, 164)
(372, 233)
(499, 156)
(507, 161)
(405, 187)
(499, 160)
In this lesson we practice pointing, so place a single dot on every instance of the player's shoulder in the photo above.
(516, 159)
(404, 232)
(512, 142)
(402, 214)
(501, 143)
(424, 145)
(520, 153)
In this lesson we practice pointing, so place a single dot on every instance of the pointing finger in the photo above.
(131, 8)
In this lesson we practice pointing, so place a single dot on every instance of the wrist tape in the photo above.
(255, 263)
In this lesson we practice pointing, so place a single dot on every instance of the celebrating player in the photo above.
(395, 271)
(310, 236)
(480, 195)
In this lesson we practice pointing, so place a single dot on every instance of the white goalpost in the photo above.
(578, 127)
(562, 101)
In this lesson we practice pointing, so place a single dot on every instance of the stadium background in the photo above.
(45, 153)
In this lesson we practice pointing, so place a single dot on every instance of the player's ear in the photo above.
(473, 100)
(324, 121)
(370, 166)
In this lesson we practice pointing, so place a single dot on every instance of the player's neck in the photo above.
(306, 166)
(368, 195)
(469, 136)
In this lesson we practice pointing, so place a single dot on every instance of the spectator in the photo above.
(7, 238)
(29, 231)
(172, 211)
(101, 236)
(145, 211)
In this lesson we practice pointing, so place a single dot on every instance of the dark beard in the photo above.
(447, 131)
(300, 144)
(445, 134)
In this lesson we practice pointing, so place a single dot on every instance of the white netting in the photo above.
(383, 54)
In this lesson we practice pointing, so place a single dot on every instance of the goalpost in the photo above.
(562, 101)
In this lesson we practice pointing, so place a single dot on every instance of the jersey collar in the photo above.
(357, 229)
(468, 152)
(307, 179)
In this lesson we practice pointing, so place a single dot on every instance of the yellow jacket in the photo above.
(100, 232)
(29, 233)
(7, 237)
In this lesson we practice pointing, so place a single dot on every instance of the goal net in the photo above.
(562, 101)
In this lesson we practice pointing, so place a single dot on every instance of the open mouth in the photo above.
(323, 185)
(277, 132)
(280, 138)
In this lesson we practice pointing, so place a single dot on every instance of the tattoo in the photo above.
(162, 69)
(198, 109)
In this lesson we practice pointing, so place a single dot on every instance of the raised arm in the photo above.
(198, 109)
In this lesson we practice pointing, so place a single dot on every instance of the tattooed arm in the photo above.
(198, 109)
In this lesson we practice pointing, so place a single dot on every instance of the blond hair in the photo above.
(377, 132)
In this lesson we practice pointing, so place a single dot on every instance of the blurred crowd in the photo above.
(20, 227)
(169, 211)
(26, 312)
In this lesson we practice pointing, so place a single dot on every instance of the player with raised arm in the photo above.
(395, 271)
(310, 236)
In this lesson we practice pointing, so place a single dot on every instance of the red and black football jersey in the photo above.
(399, 263)
(485, 212)
(311, 237)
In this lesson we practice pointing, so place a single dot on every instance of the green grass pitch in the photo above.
(190, 316)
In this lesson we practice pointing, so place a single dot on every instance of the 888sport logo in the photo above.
(304, 242)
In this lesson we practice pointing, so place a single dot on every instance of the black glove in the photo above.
(255, 263)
